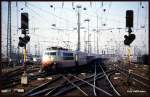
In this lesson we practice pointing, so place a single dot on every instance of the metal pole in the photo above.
(38, 48)
(97, 35)
(94, 50)
(35, 50)
(18, 55)
(88, 38)
(25, 55)
(17, 32)
(78, 48)
(84, 41)
(9, 33)
(129, 60)
(78, 45)
(24, 77)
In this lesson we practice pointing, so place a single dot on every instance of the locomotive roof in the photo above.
(57, 48)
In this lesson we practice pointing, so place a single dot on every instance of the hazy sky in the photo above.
(42, 16)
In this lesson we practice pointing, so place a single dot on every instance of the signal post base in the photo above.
(24, 79)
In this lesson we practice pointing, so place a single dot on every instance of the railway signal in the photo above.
(129, 18)
(23, 41)
(129, 24)
(24, 21)
(129, 39)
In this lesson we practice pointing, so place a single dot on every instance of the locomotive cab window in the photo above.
(50, 53)
(53, 53)
(68, 56)
(46, 53)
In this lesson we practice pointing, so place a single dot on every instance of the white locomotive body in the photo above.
(57, 57)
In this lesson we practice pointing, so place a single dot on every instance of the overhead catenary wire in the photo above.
(113, 19)
(37, 14)
(57, 17)
(40, 18)
(108, 11)
(48, 12)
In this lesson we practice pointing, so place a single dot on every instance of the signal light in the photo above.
(129, 39)
(27, 38)
(23, 41)
(129, 18)
(24, 21)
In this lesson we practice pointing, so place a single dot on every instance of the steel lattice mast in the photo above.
(9, 33)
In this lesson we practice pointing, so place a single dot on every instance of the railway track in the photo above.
(118, 94)
(45, 87)
(135, 77)
(14, 72)
(13, 79)
(95, 84)
(80, 83)
(67, 83)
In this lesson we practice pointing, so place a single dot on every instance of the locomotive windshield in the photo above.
(50, 53)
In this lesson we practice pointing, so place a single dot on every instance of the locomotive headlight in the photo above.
(45, 58)
(52, 58)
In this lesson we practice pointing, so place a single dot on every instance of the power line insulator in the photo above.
(84, 8)
(104, 10)
(51, 6)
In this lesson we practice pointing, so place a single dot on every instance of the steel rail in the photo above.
(39, 93)
(49, 91)
(93, 86)
(68, 89)
(79, 83)
(134, 74)
(134, 79)
(41, 86)
(16, 80)
(94, 82)
(110, 82)
(75, 86)
(45, 89)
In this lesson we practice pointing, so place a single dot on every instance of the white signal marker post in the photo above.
(24, 78)
(129, 58)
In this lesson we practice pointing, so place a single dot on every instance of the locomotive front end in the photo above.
(48, 60)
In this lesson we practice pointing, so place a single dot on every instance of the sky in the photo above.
(110, 38)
